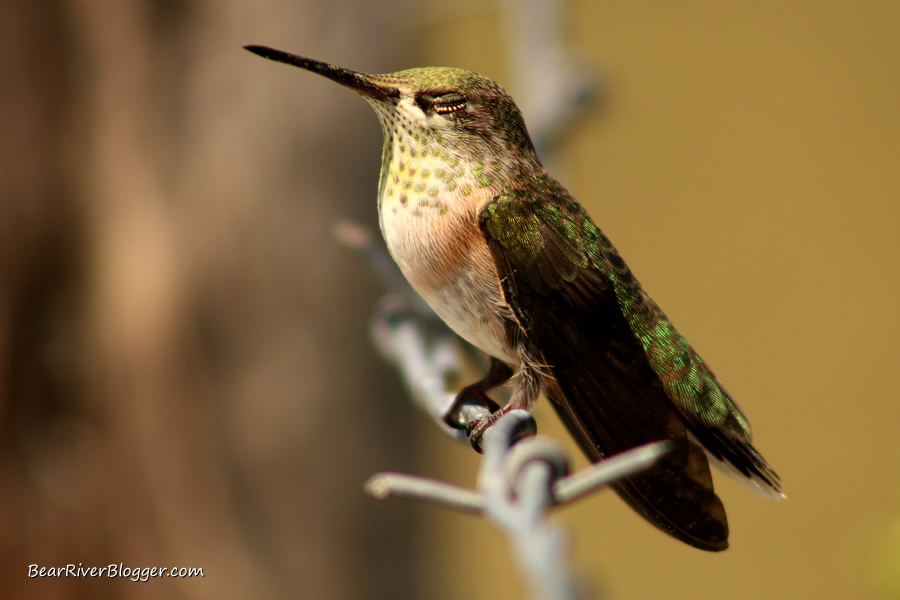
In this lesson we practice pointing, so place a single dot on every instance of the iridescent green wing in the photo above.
(581, 310)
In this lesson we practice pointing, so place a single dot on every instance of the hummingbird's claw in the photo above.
(476, 428)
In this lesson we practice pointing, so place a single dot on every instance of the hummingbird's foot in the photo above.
(498, 373)
(475, 429)
(522, 428)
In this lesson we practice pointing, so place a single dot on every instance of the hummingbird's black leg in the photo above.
(497, 374)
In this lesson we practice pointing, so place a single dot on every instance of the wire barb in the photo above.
(517, 483)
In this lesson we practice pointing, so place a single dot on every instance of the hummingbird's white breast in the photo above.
(428, 212)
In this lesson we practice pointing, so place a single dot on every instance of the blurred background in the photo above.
(186, 377)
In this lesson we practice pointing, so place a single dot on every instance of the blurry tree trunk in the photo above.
(185, 378)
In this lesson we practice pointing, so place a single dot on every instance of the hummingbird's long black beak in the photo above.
(360, 82)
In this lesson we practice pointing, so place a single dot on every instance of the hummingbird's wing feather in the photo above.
(601, 336)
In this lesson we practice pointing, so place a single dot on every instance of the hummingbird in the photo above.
(512, 263)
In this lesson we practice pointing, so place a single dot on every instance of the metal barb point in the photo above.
(383, 485)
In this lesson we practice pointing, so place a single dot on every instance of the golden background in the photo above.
(185, 373)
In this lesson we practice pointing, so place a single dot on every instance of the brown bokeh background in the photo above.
(185, 373)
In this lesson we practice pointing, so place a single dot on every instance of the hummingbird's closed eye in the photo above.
(440, 103)
(449, 103)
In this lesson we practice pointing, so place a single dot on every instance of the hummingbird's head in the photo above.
(457, 110)
(441, 111)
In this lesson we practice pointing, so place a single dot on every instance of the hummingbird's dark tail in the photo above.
(678, 498)
(675, 496)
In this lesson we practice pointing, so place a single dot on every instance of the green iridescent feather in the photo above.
(516, 220)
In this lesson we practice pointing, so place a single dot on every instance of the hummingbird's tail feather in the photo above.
(677, 492)
(760, 484)
(676, 496)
